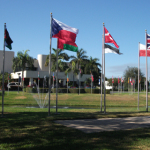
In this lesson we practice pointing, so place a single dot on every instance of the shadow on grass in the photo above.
(35, 130)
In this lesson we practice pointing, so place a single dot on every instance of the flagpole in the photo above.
(50, 66)
(146, 74)
(104, 70)
(3, 73)
(138, 72)
(102, 74)
(79, 79)
(57, 77)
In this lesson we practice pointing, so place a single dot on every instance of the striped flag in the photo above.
(67, 77)
(53, 77)
(148, 41)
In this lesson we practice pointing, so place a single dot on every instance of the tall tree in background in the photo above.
(132, 72)
(92, 66)
(21, 61)
(72, 67)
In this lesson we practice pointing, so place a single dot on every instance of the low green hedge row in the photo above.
(64, 90)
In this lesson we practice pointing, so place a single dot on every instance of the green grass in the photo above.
(31, 128)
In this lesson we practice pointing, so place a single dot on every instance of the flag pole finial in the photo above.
(145, 30)
(103, 23)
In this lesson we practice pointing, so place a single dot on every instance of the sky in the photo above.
(28, 23)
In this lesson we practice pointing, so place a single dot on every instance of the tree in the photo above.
(115, 84)
(72, 67)
(132, 72)
(62, 66)
(80, 58)
(21, 61)
(92, 66)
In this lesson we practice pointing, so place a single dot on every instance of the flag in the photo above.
(65, 34)
(130, 80)
(109, 38)
(92, 77)
(143, 50)
(112, 79)
(118, 80)
(53, 77)
(80, 70)
(8, 40)
(122, 80)
(67, 77)
(110, 49)
(148, 41)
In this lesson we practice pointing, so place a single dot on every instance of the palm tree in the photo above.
(92, 65)
(61, 55)
(72, 67)
(80, 58)
(21, 61)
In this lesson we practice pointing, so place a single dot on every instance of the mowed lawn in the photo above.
(26, 127)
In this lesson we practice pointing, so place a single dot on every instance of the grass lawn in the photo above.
(24, 127)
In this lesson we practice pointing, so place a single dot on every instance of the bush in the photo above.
(93, 90)
(73, 90)
(29, 90)
(60, 90)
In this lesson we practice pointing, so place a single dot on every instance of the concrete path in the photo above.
(107, 124)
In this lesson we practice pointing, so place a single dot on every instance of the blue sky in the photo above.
(28, 23)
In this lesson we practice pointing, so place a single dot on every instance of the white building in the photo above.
(31, 76)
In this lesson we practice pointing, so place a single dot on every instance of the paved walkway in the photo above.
(107, 124)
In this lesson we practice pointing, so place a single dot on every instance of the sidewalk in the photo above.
(107, 124)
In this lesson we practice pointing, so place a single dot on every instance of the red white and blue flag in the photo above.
(148, 41)
(65, 34)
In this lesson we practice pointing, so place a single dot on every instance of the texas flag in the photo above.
(109, 38)
(65, 34)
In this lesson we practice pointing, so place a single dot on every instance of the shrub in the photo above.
(73, 90)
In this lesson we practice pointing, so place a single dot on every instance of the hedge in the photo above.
(64, 90)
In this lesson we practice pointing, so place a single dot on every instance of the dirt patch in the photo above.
(20, 97)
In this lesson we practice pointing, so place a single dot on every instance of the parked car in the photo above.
(13, 86)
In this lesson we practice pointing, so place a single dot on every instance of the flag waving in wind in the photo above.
(65, 34)
(109, 38)
(8, 40)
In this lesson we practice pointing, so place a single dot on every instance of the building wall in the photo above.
(41, 63)
(9, 55)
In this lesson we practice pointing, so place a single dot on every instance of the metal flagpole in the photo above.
(50, 66)
(138, 72)
(3, 73)
(146, 74)
(104, 69)
(57, 77)
(53, 82)
(102, 74)
(79, 79)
